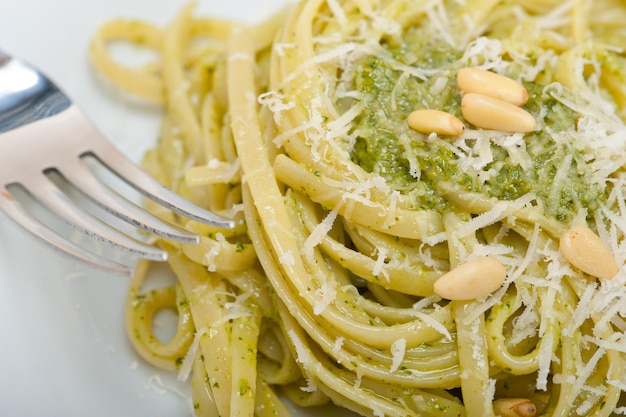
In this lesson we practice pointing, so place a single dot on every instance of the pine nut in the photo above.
(435, 121)
(474, 279)
(587, 252)
(491, 113)
(514, 407)
(487, 83)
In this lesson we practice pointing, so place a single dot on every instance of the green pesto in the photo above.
(244, 387)
(385, 145)
(512, 181)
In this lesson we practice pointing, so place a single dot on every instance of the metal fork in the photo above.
(43, 132)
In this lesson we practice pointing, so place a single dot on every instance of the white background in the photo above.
(63, 351)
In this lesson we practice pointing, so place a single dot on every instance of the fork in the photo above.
(42, 133)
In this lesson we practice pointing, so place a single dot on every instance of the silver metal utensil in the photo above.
(42, 133)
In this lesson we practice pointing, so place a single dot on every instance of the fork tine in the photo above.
(76, 172)
(120, 165)
(16, 212)
(44, 190)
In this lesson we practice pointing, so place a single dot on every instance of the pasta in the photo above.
(324, 291)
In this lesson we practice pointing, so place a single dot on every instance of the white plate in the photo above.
(63, 351)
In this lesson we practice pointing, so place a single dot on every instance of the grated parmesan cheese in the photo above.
(397, 350)
(327, 294)
(544, 360)
(302, 354)
(338, 345)
(190, 356)
(287, 258)
(380, 263)
(318, 233)
(276, 103)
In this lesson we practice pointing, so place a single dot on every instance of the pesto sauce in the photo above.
(377, 147)
(379, 131)
(511, 181)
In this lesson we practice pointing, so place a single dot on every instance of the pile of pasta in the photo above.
(346, 217)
